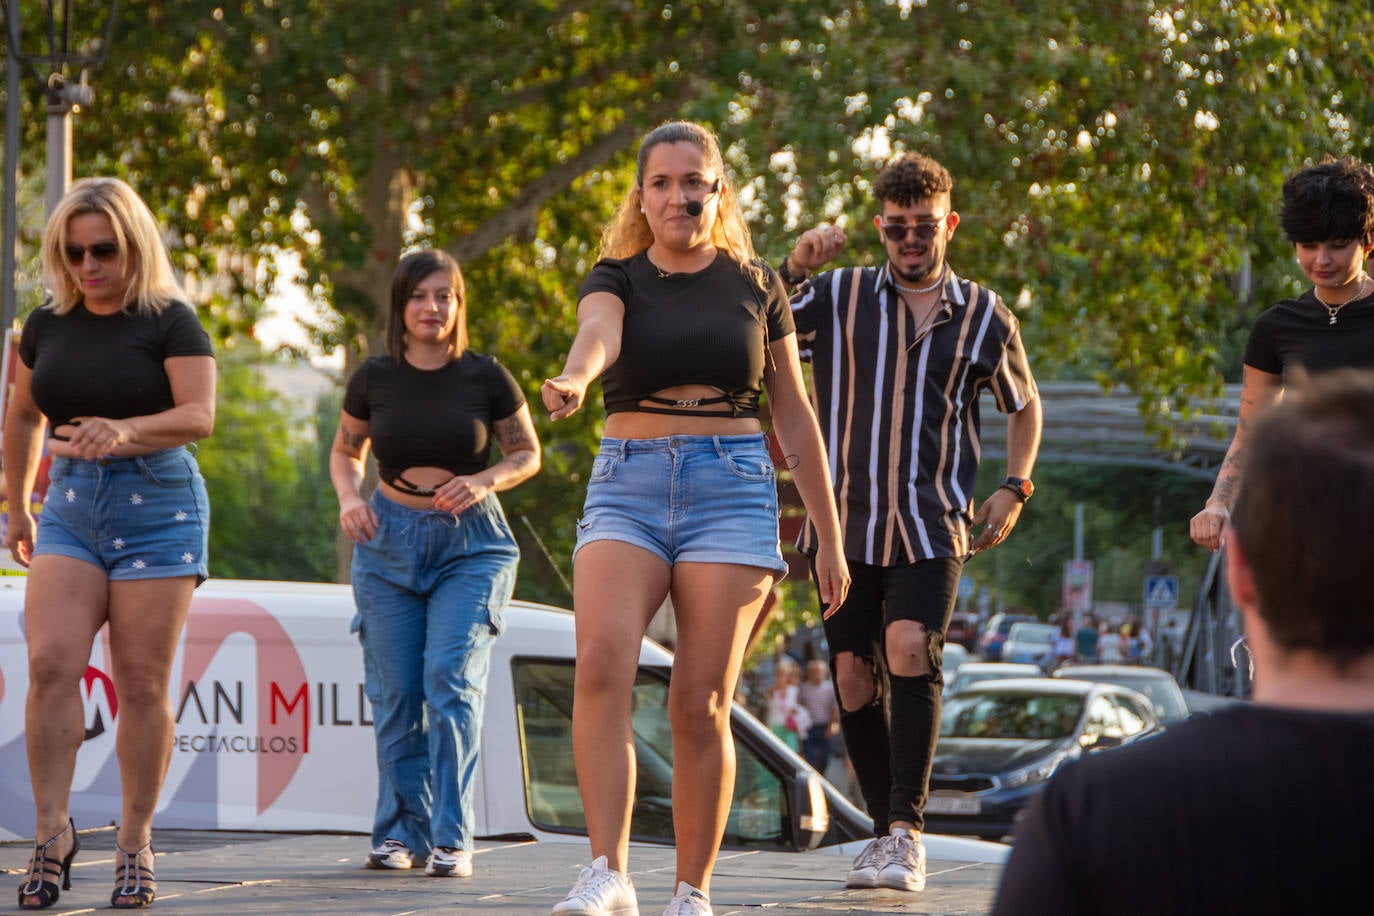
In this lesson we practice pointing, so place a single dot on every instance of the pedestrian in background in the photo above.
(1085, 640)
(434, 561)
(817, 696)
(119, 372)
(686, 329)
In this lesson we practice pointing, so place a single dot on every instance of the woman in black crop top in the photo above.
(1328, 215)
(119, 371)
(434, 560)
(686, 329)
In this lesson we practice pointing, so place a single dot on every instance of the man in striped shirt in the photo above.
(899, 354)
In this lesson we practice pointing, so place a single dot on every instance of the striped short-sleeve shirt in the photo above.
(899, 412)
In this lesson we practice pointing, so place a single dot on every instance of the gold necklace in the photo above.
(1333, 309)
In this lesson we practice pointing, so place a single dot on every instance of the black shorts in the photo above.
(924, 591)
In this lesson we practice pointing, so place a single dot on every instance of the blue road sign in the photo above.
(1161, 592)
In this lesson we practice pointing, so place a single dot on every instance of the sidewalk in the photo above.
(212, 872)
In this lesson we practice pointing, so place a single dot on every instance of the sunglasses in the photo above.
(102, 251)
(925, 230)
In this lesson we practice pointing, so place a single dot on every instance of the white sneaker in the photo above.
(446, 862)
(905, 869)
(864, 871)
(599, 891)
(689, 902)
(391, 854)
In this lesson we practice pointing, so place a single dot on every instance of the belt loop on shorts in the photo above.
(720, 448)
(624, 449)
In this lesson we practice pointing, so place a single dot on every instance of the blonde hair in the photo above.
(142, 254)
(628, 233)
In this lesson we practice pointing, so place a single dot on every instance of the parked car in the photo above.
(955, 658)
(962, 629)
(273, 733)
(972, 673)
(995, 633)
(1030, 643)
(1002, 740)
(1158, 685)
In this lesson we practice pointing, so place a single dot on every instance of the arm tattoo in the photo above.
(352, 440)
(511, 435)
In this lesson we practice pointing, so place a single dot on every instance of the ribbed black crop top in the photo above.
(705, 328)
(438, 418)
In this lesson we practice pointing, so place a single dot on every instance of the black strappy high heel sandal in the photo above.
(36, 883)
(134, 881)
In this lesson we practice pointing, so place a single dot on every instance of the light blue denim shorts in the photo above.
(695, 499)
(136, 518)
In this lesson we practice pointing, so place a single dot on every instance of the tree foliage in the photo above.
(1117, 163)
(267, 474)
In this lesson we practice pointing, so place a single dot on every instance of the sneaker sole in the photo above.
(901, 884)
(861, 881)
(447, 873)
(619, 911)
(381, 864)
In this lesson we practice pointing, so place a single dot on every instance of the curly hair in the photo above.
(910, 178)
(1333, 201)
(629, 233)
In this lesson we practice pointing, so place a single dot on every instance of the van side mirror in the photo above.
(810, 810)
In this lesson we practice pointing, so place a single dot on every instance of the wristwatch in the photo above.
(1021, 486)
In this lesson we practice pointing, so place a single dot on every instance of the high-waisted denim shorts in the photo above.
(136, 518)
(695, 499)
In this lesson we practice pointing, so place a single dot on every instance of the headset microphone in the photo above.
(694, 207)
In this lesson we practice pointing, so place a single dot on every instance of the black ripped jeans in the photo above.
(891, 740)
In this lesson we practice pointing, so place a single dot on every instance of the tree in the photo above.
(1117, 163)
(267, 474)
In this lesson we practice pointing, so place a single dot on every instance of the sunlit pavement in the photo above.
(273, 873)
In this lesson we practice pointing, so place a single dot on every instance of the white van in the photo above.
(273, 732)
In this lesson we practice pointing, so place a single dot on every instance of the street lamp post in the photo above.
(64, 98)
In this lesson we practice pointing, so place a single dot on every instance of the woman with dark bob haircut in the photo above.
(434, 560)
(1328, 215)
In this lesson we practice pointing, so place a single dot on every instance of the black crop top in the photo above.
(432, 418)
(705, 328)
(88, 365)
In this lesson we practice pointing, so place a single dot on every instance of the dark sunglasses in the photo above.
(102, 251)
(925, 230)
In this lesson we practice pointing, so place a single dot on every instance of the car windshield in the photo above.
(1033, 716)
(1032, 632)
(1166, 702)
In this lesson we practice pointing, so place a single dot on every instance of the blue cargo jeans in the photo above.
(431, 590)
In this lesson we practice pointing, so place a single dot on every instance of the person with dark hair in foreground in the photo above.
(1328, 215)
(899, 355)
(1264, 807)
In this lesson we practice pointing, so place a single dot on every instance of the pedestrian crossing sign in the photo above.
(1161, 592)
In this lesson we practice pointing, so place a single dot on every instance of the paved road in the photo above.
(210, 872)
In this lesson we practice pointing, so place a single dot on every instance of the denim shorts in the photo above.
(146, 517)
(695, 499)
